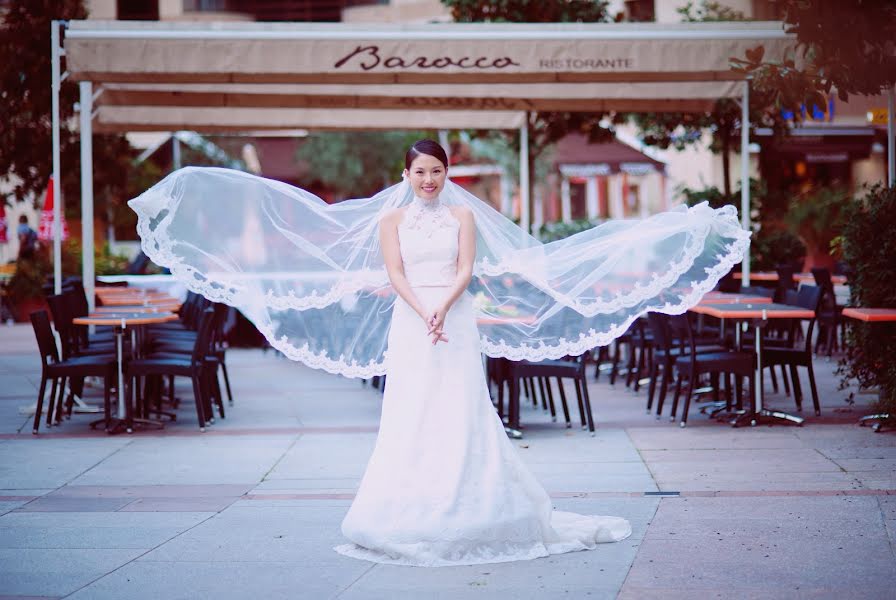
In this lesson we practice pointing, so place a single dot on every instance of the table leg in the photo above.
(760, 414)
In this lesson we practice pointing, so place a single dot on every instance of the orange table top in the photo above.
(773, 276)
(729, 298)
(137, 308)
(124, 318)
(144, 300)
(879, 315)
(751, 311)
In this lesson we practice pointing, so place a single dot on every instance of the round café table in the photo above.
(121, 321)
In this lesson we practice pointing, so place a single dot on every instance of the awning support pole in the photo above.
(524, 175)
(55, 84)
(891, 137)
(88, 271)
(745, 173)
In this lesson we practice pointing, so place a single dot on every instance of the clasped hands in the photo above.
(435, 321)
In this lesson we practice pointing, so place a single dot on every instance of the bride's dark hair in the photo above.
(428, 147)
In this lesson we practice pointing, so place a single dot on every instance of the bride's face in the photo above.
(427, 176)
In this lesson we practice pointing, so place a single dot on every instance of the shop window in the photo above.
(138, 10)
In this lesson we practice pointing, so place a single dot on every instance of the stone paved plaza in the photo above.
(252, 507)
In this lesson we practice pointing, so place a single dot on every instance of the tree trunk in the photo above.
(725, 141)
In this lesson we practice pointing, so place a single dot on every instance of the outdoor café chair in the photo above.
(692, 364)
(52, 368)
(193, 366)
(808, 296)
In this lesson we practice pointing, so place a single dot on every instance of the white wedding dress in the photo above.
(444, 485)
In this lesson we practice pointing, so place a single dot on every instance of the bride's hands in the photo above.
(436, 323)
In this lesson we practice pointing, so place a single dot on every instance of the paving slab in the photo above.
(150, 580)
(93, 530)
(57, 571)
(202, 460)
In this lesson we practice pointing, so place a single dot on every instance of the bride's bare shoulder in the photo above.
(461, 213)
(393, 216)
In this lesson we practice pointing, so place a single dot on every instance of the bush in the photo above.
(869, 247)
(771, 248)
(557, 231)
(817, 217)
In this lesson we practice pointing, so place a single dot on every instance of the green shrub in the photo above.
(869, 249)
(557, 231)
(771, 248)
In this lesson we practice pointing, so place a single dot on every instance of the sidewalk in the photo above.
(252, 507)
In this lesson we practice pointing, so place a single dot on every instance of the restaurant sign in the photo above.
(372, 57)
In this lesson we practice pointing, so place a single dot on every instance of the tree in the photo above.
(528, 11)
(545, 128)
(847, 45)
(679, 130)
(25, 101)
(357, 164)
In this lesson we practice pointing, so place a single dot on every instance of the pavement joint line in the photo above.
(888, 529)
(554, 495)
(195, 433)
(355, 580)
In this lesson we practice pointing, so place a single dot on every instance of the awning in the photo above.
(233, 119)
(129, 51)
(588, 97)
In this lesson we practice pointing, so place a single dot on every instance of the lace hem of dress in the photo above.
(483, 555)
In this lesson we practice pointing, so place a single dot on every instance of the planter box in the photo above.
(23, 308)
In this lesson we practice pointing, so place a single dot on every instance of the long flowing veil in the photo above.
(310, 276)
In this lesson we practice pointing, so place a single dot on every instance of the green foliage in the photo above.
(772, 247)
(842, 44)
(545, 128)
(358, 164)
(25, 101)
(707, 10)
(817, 216)
(28, 280)
(680, 130)
(868, 246)
(32, 273)
(557, 231)
(717, 198)
(528, 11)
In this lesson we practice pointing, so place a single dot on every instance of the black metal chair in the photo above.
(666, 350)
(215, 358)
(692, 364)
(514, 372)
(828, 313)
(52, 368)
(194, 366)
(808, 296)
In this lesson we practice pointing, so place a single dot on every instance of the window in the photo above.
(138, 10)
(640, 10)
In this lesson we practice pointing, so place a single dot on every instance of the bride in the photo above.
(394, 284)
(444, 486)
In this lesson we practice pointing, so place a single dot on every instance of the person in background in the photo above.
(28, 242)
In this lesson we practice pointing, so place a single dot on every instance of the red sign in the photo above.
(3, 226)
(45, 228)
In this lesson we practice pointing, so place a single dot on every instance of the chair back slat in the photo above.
(46, 342)
(206, 324)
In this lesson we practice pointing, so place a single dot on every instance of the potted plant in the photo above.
(816, 217)
(25, 288)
